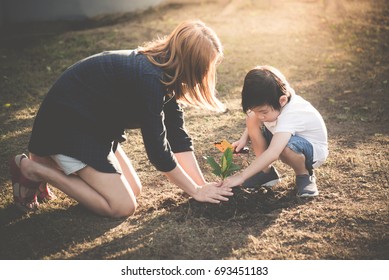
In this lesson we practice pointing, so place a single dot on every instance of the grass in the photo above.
(336, 60)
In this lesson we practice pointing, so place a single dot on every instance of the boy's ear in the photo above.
(283, 100)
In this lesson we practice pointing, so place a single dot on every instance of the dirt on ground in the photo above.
(333, 53)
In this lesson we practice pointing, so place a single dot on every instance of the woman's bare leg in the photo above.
(48, 161)
(115, 192)
(106, 194)
(128, 171)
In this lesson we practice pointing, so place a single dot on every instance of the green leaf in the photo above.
(232, 169)
(214, 165)
(228, 153)
(224, 164)
(226, 167)
(217, 173)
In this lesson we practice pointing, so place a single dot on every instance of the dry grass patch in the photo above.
(338, 61)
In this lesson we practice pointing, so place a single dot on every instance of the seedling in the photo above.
(226, 166)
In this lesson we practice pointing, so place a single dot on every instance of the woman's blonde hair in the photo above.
(188, 57)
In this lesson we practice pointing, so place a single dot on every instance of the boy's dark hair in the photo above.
(264, 85)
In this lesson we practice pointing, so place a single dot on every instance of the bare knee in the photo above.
(290, 157)
(122, 211)
(294, 160)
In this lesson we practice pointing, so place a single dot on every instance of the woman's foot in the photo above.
(25, 199)
(44, 193)
(24, 189)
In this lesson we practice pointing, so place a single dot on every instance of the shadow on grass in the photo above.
(41, 235)
(194, 230)
(23, 35)
(178, 233)
(244, 202)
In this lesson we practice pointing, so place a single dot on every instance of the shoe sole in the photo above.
(307, 195)
(271, 183)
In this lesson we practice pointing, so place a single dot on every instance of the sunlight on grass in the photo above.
(15, 134)
(335, 59)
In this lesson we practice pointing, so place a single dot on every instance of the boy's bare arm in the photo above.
(277, 145)
(270, 155)
(254, 132)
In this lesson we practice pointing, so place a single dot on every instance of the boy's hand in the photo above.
(233, 181)
(241, 143)
(240, 146)
(213, 193)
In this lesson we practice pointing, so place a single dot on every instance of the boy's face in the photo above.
(264, 113)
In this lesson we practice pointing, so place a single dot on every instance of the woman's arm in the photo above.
(188, 162)
(208, 192)
(164, 136)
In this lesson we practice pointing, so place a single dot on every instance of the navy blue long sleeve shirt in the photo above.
(95, 99)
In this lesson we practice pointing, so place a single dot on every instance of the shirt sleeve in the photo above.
(177, 135)
(289, 122)
(153, 125)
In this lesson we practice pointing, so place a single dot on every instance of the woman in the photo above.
(74, 144)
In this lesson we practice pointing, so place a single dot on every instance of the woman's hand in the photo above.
(212, 192)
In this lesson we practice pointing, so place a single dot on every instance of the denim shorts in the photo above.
(297, 144)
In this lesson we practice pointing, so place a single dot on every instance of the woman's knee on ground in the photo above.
(122, 209)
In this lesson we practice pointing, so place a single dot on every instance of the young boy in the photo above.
(280, 125)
